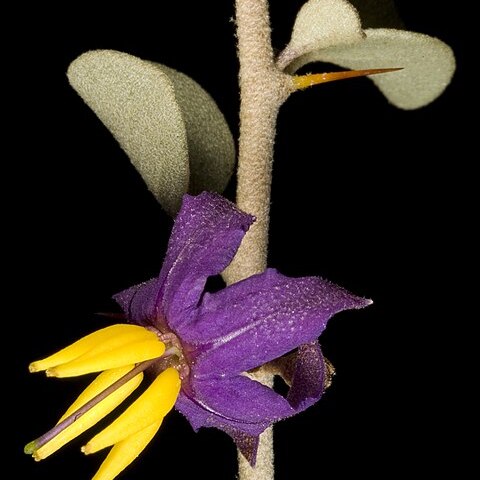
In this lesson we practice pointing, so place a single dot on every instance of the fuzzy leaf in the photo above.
(320, 24)
(136, 102)
(171, 129)
(211, 148)
(428, 64)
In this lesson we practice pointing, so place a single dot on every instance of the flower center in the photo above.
(173, 356)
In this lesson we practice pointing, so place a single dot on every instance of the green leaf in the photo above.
(211, 148)
(428, 64)
(170, 128)
(321, 24)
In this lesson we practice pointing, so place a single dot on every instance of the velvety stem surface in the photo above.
(263, 88)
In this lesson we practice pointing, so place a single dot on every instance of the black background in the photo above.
(362, 195)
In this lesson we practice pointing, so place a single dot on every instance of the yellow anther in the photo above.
(304, 81)
(123, 355)
(96, 413)
(125, 452)
(128, 333)
(115, 341)
(150, 407)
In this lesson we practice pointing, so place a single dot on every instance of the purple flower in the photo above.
(220, 336)
(199, 345)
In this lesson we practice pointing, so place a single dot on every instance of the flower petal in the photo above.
(321, 24)
(205, 237)
(261, 318)
(140, 302)
(309, 377)
(216, 400)
(233, 404)
(306, 372)
(242, 400)
(198, 417)
(428, 64)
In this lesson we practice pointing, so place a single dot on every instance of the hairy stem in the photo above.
(263, 88)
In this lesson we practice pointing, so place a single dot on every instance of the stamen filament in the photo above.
(304, 81)
(33, 447)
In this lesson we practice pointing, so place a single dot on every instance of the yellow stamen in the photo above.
(305, 81)
(96, 413)
(82, 346)
(150, 407)
(125, 452)
(124, 355)
(119, 340)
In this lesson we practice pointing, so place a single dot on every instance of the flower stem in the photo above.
(263, 89)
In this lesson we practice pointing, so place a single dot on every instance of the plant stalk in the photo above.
(263, 89)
